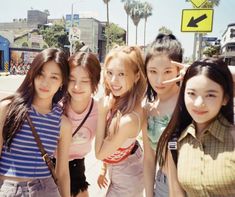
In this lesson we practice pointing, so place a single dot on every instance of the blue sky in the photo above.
(165, 13)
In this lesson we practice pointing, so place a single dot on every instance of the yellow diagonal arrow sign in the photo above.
(198, 3)
(197, 20)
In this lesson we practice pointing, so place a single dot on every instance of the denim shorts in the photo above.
(161, 185)
(126, 177)
(36, 188)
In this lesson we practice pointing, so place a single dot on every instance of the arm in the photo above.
(62, 167)
(128, 127)
(149, 164)
(3, 112)
(174, 185)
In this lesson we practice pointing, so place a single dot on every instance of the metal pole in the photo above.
(71, 42)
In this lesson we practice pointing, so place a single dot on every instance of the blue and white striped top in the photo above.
(24, 157)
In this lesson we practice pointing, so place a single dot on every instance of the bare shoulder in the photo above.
(65, 122)
(4, 107)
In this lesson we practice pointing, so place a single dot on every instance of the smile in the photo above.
(198, 112)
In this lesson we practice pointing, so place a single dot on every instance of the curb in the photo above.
(4, 73)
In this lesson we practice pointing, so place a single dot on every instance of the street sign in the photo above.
(198, 3)
(74, 34)
(197, 20)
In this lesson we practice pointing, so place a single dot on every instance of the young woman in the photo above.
(82, 110)
(23, 172)
(203, 122)
(161, 101)
(120, 121)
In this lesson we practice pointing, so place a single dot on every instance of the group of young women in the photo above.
(185, 115)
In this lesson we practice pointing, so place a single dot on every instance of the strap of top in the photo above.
(139, 121)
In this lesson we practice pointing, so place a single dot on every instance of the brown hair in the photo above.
(134, 59)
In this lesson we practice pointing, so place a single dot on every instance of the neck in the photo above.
(42, 106)
(79, 106)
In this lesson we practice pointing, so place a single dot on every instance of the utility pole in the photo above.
(71, 42)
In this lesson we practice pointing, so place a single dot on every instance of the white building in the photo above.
(228, 44)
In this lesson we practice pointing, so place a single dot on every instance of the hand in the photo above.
(182, 67)
(102, 181)
(106, 103)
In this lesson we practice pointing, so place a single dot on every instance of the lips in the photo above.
(43, 90)
(160, 87)
(199, 112)
(116, 88)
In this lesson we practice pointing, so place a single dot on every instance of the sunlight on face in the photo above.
(160, 69)
(203, 99)
(119, 76)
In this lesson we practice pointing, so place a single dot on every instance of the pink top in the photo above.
(81, 141)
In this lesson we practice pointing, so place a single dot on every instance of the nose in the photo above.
(199, 102)
(113, 78)
(76, 85)
(159, 79)
(45, 82)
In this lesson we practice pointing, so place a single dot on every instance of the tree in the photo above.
(54, 36)
(212, 50)
(115, 34)
(147, 11)
(164, 30)
(136, 15)
(128, 4)
(107, 24)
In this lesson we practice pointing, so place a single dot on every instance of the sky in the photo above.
(166, 13)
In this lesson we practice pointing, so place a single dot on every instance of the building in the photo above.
(228, 44)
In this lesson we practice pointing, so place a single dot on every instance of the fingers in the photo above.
(180, 65)
(102, 182)
(174, 80)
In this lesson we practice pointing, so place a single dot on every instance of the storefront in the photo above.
(4, 54)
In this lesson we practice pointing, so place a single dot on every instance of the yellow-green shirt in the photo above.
(207, 167)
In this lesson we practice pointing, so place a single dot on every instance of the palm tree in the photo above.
(127, 7)
(147, 11)
(136, 15)
(107, 24)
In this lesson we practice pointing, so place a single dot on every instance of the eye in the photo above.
(85, 81)
(152, 71)
(168, 72)
(71, 79)
(55, 77)
(121, 74)
(210, 95)
(190, 93)
(109, 73)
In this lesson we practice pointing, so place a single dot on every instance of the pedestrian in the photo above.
(120, 121)
(203, 124)
(81, 109)
(34, 108)
(161, 100)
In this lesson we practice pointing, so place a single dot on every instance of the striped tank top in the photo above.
(24, 159)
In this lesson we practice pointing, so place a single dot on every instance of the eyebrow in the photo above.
(52, 73)
(208, 91)
(152, 67)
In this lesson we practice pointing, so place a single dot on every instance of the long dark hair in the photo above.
(22, 99)
(217, 71)
(163, 44)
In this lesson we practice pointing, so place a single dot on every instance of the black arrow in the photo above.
(193, 22)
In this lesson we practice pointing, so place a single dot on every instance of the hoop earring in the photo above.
(61, 87)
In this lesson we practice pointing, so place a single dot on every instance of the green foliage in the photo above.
(55, 36)
(164, 30)
(115, 35)
(212, 50)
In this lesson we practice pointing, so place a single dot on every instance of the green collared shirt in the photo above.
(206, 167)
